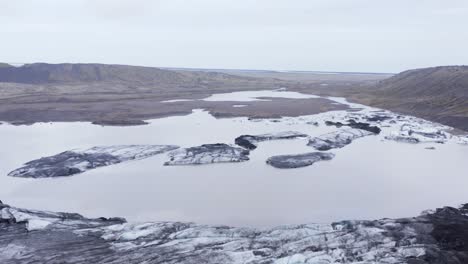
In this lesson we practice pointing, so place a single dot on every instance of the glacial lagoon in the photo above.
(368, 179)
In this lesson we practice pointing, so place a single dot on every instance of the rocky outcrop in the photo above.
(298, 160)
(206, 154)
(28, 236)
(358, 125)
(250, 141)
(337, 139)
(77, 161)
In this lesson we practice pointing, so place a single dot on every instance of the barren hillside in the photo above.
(439, 93)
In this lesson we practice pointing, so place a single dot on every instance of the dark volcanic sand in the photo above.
(129, 111)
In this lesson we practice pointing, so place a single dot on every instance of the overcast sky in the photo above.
(328, 35)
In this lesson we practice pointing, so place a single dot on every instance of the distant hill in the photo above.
(43, 73)
(438, 93)
(38, 73)
(440, 81)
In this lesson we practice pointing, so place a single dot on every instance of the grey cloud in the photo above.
(343, 35)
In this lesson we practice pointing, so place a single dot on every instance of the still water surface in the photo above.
(370, 178)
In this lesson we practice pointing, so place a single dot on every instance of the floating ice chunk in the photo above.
(77, 161)
(298, 160)
(250, 141)
(206, 154)
(337, 139)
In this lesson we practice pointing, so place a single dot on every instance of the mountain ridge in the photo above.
(44, 73)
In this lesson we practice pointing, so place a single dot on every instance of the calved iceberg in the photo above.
(298, 160)
(410, 133)
(207, 154)
(77, 161)
(337, 139)
(251, 141)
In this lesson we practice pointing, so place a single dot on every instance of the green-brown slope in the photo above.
(438, 93)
